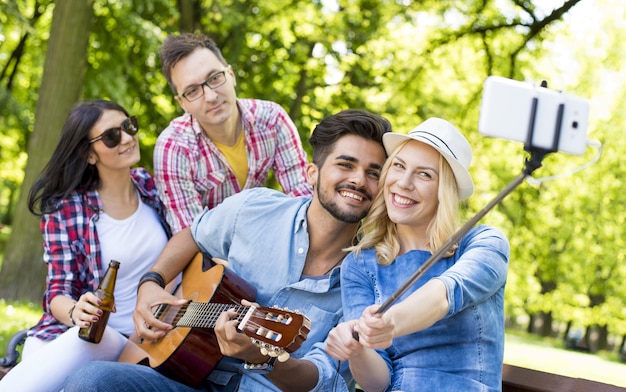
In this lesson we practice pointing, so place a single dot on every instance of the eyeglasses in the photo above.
(112, 137)
(214, 81)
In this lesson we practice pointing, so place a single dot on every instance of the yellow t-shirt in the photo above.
(237, 159)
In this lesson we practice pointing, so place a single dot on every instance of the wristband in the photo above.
(260, 368)
(70, 314)
(152, 276)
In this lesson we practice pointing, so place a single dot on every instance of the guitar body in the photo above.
(189, 354)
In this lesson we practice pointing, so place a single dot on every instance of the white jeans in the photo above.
(46, 364)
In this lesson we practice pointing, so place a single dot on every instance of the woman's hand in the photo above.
(375, 330)
(341, 343)
(86, 310)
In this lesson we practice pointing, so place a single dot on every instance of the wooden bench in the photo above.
(517, 379)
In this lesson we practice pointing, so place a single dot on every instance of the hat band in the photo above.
(441, 142)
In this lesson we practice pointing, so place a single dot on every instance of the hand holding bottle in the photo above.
(106, 300)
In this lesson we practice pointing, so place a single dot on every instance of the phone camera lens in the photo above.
(575, 124)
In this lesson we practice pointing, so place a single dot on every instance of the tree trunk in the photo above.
(531, 323)
(190, 12)
(601, 338)
(23, 272)
(545, 328)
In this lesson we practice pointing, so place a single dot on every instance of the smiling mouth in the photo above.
(403, 201)
(351, 195)
(216, 107)
(128, 150)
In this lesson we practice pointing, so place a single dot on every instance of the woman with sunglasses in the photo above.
(94, 207)
(447, 332)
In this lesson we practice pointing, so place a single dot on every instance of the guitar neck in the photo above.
(204, 314)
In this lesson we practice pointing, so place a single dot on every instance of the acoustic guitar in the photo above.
(189, 352)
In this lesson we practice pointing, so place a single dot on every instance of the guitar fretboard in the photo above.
(204, 314)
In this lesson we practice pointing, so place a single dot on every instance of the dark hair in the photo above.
(347, 122)
(68, 169)
(177, 47)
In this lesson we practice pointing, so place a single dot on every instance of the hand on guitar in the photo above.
(149, 296)
(232, 342)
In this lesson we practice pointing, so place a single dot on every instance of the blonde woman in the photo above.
(447, 332)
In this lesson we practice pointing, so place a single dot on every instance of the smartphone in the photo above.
(509, 108)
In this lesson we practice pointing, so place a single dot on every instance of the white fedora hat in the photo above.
(449, 141)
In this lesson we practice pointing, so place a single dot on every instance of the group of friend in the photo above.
(344, 234)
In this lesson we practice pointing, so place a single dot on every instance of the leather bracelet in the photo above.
(70, 313)
(152, 276)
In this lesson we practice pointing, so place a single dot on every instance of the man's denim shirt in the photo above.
(464, 350)
(263, 235)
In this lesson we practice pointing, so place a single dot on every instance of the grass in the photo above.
(548, 355)
(16, 316)
(521, 349)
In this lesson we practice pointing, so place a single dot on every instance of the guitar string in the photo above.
(201, 314)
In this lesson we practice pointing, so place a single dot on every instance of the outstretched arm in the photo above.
(176, 255)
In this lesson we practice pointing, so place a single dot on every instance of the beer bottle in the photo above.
(93, 333)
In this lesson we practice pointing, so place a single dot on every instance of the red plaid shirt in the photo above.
(72, 250)
(191, 173)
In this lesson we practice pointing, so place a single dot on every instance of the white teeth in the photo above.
(402, 200)
(125, 151)
(351, 195)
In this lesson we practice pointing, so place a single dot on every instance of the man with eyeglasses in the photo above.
(222, 144)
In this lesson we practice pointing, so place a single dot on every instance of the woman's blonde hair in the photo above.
(380, 232)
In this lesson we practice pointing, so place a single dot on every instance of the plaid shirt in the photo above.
(191, 173)
(72, 250)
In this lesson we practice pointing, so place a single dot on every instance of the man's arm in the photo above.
(291, 375)
(176, 255)
(294, 375)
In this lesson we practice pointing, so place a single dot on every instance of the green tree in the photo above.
(61, 86)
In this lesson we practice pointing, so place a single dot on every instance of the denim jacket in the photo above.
(263, 235)
(464, 350)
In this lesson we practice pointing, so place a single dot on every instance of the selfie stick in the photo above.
(532, 163)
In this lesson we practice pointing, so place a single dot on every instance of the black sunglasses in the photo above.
(112, 137)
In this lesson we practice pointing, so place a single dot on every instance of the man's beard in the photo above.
(331, 206)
